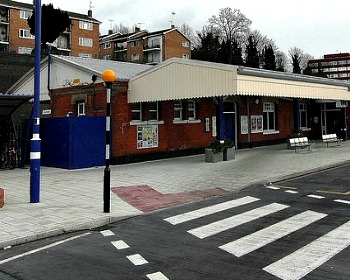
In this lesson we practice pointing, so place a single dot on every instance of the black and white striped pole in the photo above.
(108, 76)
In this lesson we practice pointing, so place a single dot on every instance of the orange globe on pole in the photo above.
(108, 76)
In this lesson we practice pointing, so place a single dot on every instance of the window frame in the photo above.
(152, 111)
(191, 109)
(86, 25)
(269, 109)
(137, 111)
(178, 107)
(81, 108)
(23, 32)
(85, 42)
(303, 111)
(23, 13)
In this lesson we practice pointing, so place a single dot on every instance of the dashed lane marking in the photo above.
(270, 234)
(157, 276)
(120, 245)
(291, 191)
(342, 201)
(185, 217)
(311, 256)
(234, 221)
(315, 196)
(107, 233)
(137, 259)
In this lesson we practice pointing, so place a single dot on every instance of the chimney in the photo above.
(137, 29)
(90, 13)
(172, 26)
(110, 32)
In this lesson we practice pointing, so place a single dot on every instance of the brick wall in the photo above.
(76, 33)
(124, 134)
(285, 123)
(14, 40)
(173, 45)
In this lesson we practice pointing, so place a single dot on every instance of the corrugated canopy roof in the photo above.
(10, 102)
(182, 79)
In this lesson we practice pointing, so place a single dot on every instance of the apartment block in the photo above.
(80, 39)
(143, 46)
(335, 66)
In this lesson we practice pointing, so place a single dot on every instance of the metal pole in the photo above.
(35, 151)
(107, 171)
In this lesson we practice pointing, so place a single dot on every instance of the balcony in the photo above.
(121, 49)
(149, 48)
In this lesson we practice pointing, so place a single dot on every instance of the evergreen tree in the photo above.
(209, 48)
(237, 58)
(269, 58)
(296, 64)
(252, 55)
(53, 22)
(226, 52)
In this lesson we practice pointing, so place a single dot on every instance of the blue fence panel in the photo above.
(54, 135)
(88, 142)
(73, 143)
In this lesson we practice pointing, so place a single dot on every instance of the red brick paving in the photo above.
(2, 198)
(147, 199)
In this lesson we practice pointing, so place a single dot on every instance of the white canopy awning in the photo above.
(184, 79)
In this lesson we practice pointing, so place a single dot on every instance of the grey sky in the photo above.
(316, 27)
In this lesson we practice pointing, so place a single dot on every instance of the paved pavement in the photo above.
(73, 199)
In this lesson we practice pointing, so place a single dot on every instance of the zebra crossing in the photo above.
(293, 266)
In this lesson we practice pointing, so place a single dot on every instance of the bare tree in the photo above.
(231, 24)
(262, 41)
(122, 29)
(281, 61)
(299, 59)
(189, 33)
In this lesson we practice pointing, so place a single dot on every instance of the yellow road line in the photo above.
(334, 192)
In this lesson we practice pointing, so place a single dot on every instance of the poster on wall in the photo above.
(147, 136)
(256, 125)
(213, 124)
(244, 124)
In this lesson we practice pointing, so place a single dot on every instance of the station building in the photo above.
(178, 106)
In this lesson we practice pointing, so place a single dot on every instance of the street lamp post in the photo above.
(108, 76)
(35, 152)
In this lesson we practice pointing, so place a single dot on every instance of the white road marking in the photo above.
(157, 276)
(137, 259)
(43, 248)
(120, 244)
(107, 233)
(270, 234)
(290, 191)
(231, 222)
(311, 256)
(316, 196)
(342, 201)
(181, 218)
(273, 188)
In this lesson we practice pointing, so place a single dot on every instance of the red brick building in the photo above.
(179, 106)
(334, 66)
(142, 46)
(80, 39)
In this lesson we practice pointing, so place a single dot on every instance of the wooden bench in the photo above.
(301, 142)
(330, 138)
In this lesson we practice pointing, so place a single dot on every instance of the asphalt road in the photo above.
(296, 229)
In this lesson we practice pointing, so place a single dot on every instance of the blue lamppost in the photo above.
(35, 144)
(108, 77)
